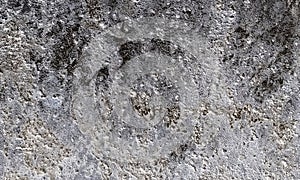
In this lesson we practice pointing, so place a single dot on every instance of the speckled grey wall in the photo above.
(153, 89)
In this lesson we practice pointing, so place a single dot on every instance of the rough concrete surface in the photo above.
(149, 89)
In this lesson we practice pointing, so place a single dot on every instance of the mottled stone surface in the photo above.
(153, 89)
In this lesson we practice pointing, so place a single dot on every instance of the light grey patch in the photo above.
(156, 77)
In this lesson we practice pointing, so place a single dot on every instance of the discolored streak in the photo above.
(132, 49)
(102, 77)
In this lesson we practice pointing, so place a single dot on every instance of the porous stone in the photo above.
(163, 89)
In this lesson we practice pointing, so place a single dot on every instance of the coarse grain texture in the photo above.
(153, 89)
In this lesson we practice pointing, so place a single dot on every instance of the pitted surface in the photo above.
(155, 89)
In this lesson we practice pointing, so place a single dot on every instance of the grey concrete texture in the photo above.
(149, 89)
